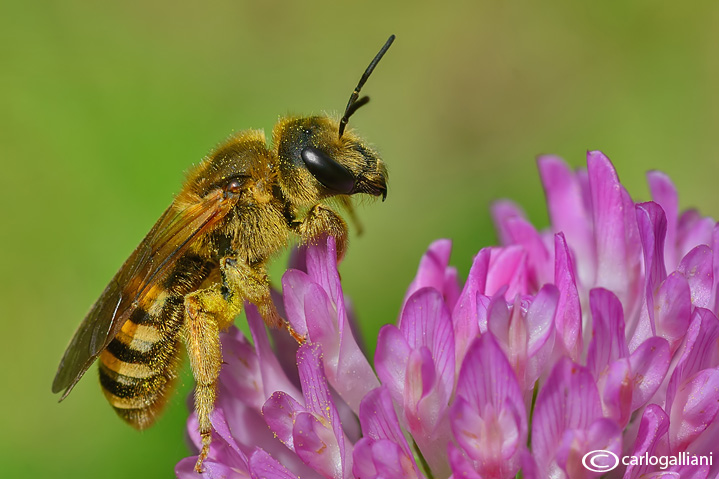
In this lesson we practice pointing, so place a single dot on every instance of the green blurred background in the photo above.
(104, 106)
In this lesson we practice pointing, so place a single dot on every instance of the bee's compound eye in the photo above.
(327, 171)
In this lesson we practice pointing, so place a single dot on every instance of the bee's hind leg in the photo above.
(207, 312)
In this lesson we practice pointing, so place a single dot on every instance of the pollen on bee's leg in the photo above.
(301, 339)
(272, 319)
(202, 341)
(204, 405)
(206, 439)
(321, 222)
(269, 313)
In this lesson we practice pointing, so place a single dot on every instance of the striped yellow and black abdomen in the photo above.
(138, 368)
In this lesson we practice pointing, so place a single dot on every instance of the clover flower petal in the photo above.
(597, 333)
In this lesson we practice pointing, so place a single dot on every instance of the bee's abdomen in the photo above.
(138, 368)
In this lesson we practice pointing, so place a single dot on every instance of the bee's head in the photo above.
(316, 163)
(318, 158)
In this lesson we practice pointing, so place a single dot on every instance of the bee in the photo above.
(207, 254)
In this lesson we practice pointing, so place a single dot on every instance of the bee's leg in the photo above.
(322, 221)
(211, 310)
(207, 311)
(251, 283)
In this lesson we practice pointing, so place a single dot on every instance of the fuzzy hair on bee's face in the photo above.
(316, 163)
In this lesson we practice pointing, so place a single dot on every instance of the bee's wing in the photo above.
(173, 233)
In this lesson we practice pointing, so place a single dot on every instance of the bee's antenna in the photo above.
(354, 102)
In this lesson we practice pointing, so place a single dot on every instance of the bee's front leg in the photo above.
(207, 311)
(322, 221)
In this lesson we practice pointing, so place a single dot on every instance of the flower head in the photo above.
(597, 334)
